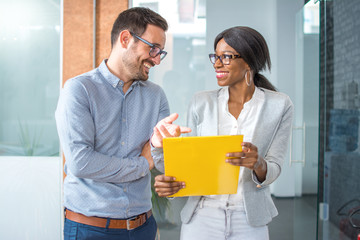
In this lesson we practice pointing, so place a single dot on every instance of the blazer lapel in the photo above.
(210, 121)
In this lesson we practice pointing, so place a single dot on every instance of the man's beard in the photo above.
(134, 68)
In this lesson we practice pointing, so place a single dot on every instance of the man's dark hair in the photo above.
(136, 20)
(252, 47)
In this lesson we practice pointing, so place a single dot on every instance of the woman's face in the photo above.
(233, 73)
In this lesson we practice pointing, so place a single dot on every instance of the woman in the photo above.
(246, 104)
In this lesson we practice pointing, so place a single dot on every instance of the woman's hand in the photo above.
(166, 186)
(249, 158)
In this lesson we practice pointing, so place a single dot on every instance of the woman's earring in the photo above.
(247, 79)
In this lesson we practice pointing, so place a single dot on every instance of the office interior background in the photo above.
(315, 51)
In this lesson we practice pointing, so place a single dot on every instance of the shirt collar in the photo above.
(257, 95)
(111, 78)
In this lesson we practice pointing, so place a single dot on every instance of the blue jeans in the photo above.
(78, 231)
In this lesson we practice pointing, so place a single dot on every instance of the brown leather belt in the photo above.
(128, 224)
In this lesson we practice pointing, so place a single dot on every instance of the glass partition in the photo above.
(29, 82)
(304, 144)
(30, 164)
(339, 191)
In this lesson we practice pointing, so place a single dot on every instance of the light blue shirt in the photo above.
(102, 132)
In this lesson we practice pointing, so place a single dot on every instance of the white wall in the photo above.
(30, 198)
(258, 14)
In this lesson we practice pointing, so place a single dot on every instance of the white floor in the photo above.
(297, 220)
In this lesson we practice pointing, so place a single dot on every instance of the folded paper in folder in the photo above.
(200, 163)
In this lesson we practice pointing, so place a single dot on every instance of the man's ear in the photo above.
(124, 38)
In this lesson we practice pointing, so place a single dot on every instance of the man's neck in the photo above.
(115, 67)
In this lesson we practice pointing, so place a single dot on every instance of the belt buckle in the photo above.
(128, 227)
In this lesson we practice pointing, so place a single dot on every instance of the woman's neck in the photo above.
(238, 96)
(241, 94)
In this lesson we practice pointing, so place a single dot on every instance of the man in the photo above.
(105, 119)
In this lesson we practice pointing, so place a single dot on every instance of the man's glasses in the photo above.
(154, 50)
(224, 59)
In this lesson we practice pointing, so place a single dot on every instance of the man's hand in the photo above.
(146, 153)
(166, 186)
(165, 128)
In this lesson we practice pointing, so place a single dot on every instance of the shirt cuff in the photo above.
(256, 180)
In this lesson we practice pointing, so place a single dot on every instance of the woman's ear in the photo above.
(247, 67)
(251, 74)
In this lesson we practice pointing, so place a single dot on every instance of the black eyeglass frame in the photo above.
(213, 58)
(153, 48)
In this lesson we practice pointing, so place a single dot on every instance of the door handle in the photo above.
(302, 160)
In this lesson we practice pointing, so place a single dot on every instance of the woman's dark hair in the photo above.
(252, 47)
(136, 20)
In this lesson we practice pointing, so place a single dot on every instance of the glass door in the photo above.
(304, 142)
(339, 191)
(295, 191)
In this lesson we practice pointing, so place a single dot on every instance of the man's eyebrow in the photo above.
(156, 44)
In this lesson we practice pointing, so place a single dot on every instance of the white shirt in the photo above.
(243, 125)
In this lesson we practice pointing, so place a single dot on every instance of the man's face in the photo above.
(137, 60)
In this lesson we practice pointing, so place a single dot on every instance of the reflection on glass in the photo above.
(29, 82)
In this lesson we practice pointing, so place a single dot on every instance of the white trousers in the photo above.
(219, 223)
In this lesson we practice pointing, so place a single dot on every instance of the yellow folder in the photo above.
(200, 163)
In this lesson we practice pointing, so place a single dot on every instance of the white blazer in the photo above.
(271, 136)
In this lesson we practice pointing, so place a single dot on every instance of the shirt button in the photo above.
(124, 120)
(258, 186)
(122, 143)
(125, 189)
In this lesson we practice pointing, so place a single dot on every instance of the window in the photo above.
(29, 83)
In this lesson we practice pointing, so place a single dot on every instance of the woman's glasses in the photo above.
(224, 59)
